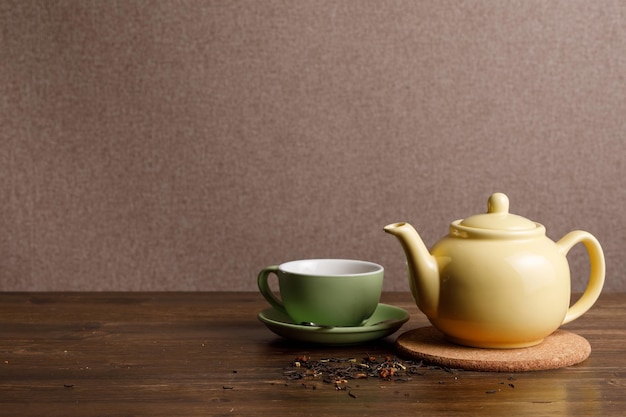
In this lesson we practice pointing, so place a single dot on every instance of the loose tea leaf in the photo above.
(339, 370)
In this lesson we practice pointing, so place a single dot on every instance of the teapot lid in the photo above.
(498, 217)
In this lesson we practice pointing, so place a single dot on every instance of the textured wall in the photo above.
(183, 145)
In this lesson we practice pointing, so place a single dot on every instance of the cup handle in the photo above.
(265, 288)
(596, 276)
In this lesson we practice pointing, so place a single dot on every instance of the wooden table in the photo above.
(206, 354)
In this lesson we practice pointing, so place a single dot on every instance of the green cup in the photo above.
(327, 292)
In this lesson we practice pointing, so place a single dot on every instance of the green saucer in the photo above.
(392, 319)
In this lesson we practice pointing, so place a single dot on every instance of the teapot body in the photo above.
(500, 293)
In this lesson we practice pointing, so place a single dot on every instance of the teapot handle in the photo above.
(596, 276)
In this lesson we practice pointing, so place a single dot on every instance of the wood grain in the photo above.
(206, 354)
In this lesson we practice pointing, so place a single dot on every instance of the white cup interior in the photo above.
(334, 267)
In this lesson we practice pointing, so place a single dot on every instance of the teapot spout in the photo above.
(423, 268)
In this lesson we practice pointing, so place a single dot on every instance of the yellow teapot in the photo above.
(496, 280)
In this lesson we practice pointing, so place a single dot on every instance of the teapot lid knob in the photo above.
(498, 217)
(498, 203)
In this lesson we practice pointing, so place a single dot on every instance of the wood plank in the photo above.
(165, 354)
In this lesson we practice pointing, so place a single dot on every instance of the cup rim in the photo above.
(289, 267)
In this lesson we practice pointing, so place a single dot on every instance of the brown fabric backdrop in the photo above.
(184, 145)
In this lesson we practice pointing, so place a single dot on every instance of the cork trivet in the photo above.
(558, 350)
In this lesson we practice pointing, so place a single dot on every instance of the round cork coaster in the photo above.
(558, 350)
